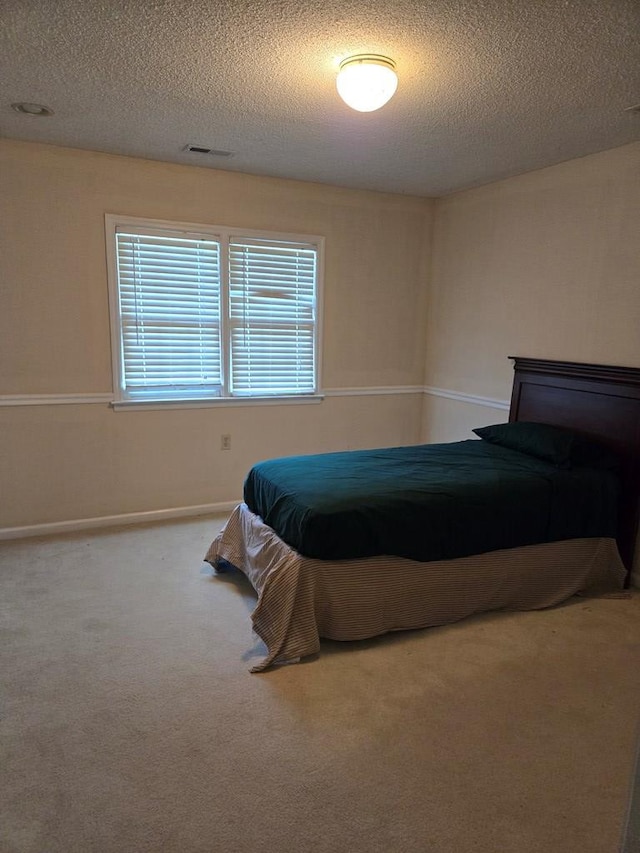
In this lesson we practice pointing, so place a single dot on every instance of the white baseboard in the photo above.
(115, 520)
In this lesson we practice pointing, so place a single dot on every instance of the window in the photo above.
(200, 312)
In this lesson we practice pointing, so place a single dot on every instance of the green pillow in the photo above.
(551, 443)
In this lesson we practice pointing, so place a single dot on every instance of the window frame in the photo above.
(224, 234)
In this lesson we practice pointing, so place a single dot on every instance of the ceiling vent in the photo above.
(203, 149)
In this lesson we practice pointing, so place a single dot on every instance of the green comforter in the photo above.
(428, 502)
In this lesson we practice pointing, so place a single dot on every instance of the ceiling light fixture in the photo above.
(32, 109)
(367, 81)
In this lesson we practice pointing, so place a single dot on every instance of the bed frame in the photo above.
(597, 400)
(301, 599)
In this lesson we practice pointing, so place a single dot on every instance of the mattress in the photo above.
(428, 502)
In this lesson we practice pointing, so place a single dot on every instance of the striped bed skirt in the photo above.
(301, 600)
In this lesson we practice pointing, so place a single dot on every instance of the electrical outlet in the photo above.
(225, 442)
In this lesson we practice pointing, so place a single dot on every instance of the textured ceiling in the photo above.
(488, 88)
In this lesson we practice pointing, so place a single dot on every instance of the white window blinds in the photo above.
(272, 310)
(202, 311)
(169, 295)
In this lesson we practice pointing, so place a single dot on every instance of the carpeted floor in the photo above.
(131, 722)
(631, 842)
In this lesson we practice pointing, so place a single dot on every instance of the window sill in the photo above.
(213, 402)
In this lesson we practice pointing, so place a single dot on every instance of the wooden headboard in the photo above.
(594, 399)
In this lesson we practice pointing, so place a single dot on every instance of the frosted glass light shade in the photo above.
(367, 82)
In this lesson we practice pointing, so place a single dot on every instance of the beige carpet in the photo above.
(130, 721)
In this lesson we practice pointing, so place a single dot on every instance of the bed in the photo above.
(348, 546)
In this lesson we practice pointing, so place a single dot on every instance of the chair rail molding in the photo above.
(364, 391)
(460, 396)
(53, 399)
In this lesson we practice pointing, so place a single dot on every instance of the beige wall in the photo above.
(80, 461)
(546, 265)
